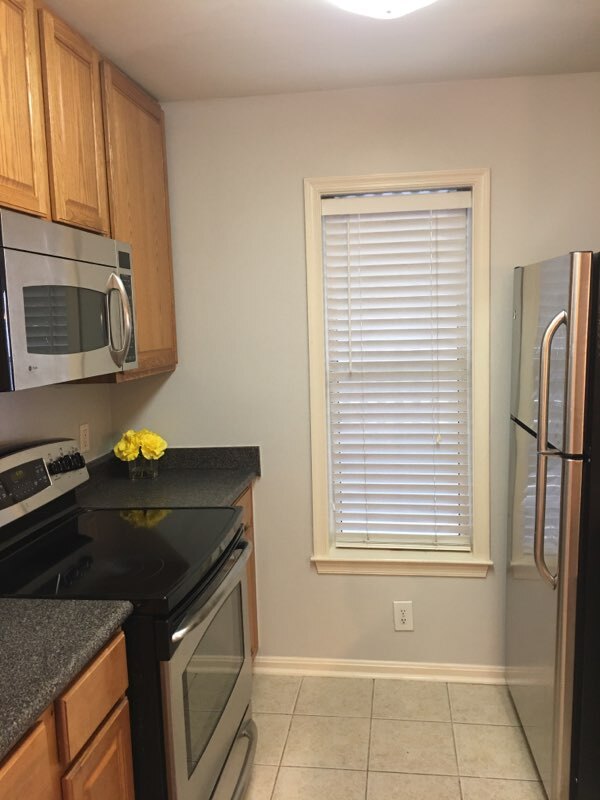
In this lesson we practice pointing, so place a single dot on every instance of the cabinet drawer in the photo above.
(84, 706)
(245, 501)
(31, 770)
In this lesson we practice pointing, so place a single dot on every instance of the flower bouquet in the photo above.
(141, 450)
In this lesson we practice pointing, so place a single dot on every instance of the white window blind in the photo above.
(398, 311)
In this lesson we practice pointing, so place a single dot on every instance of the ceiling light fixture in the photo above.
(382, 9)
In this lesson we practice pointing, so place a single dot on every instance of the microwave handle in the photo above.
(115, 284)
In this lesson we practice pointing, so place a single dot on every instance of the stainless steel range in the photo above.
(188, 643)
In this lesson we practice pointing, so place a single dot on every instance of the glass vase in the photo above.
(142, 468)
(150, 467)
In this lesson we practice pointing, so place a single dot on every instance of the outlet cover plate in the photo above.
(403, 615)
(84, 438)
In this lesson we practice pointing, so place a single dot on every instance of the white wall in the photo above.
(55, 412)
(236, 170)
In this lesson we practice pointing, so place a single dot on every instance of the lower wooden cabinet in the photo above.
(90, 698)
(85, 753)
(105, 769)
(245, 501)
(32, 770)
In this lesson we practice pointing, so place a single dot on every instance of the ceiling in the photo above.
(189, 49)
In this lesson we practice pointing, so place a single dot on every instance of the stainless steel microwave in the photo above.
(67, 304)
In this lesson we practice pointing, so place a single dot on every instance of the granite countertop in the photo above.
(193, 477)
(44, 644)
(174, 488)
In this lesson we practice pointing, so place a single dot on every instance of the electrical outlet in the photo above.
(403, 615)
(84, 438)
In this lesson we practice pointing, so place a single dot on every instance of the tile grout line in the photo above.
(460, 791)
(286, 740)
(385, 719)
(369, 743)
(295, 706)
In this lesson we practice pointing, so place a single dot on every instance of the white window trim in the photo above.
(326, 556)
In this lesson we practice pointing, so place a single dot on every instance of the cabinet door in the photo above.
(23, 164)
(32, 770)
(139, 213)
(104, 771)
(71, 72)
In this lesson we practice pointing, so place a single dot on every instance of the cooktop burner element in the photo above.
(141, 569)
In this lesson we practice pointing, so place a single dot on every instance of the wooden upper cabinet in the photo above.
(139, 213)
(23, 163)
(72, 93)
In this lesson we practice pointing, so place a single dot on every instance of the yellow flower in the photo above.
(128, 446)
(152, 445)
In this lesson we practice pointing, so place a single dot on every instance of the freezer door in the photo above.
(541, 292)
(531, 603)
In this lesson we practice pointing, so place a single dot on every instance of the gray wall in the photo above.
(56, 412)
(236, 170)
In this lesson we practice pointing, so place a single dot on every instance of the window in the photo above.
(398, 319)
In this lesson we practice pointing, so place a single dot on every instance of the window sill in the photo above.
(433, 564)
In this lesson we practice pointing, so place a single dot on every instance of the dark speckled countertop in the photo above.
(188, 477)
(44, 645)
(174, 488)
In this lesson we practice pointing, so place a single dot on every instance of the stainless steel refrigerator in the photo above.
(553, 572)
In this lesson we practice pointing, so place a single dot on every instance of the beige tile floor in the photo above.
(359, 739)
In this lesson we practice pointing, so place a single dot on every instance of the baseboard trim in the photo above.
(355, 668)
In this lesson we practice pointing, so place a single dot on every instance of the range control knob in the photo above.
(66, 463)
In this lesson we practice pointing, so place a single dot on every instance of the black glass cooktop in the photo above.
(152, 557)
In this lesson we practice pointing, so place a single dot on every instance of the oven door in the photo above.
(67, 319)
(206, 690)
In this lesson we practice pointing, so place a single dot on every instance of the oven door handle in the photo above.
(234, 567)
(249, 732)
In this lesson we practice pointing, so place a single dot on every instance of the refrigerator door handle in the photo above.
(544, 450)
